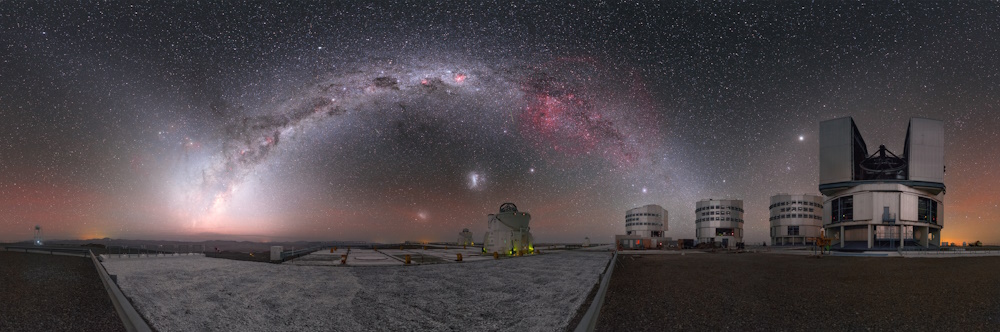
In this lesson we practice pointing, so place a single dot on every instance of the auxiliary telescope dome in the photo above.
(511, 217)
(508, 232)
(508, 207)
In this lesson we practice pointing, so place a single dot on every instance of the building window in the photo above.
(724, 232)
(793, 230)
(927, 210)
(842, 209)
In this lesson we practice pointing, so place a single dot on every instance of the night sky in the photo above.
(402, 121)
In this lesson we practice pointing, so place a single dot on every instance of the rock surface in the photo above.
(771, 292)
(41, 292)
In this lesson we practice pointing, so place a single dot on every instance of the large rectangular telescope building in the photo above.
(882, 200)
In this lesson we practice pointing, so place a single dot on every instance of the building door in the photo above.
(725, 243)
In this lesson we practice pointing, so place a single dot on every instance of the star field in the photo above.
(406, 121)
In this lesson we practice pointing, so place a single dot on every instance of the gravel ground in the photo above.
(42, 292)
(538, 293)
(758, 292)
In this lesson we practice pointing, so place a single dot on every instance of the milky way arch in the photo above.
(562, 111)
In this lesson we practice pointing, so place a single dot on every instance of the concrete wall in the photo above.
(908, 206)
(877, 203)
(865, 211)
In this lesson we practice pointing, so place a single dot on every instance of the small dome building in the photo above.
(465, 238)
(508, 232)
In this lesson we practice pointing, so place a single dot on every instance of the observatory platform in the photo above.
(192, 293)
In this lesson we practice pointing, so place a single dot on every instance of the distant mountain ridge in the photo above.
(195, 246)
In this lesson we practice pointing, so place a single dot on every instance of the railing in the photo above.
(589, 321)
(129, 251)
(129, 316)
(894, 222)
(291, 254)
(932, 253)
(51, 250)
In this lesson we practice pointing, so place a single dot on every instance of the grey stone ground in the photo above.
(40, 292)
(771, 292)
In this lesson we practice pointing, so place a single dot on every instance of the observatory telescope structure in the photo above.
(38, 235)
(645, 228)
(882, 199)
(796, 219)
(508, 232)
(719, 221)
(465, 238)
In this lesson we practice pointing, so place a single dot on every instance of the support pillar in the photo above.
(924, 236)
(842, 237)
(869, 227)
(900, 236)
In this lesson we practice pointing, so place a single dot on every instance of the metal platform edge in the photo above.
(130, 318)
(589, 321)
